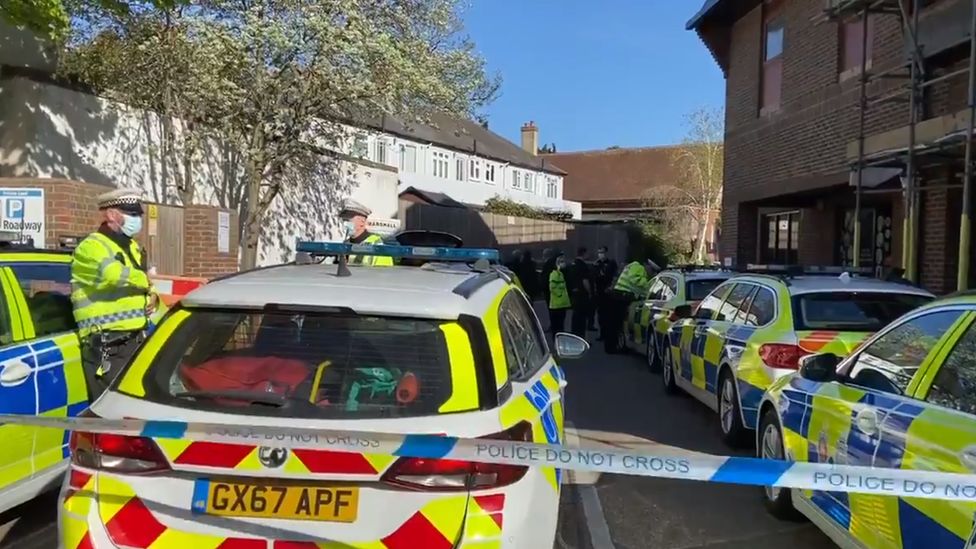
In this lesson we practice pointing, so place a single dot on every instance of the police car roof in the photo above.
(799, 285)
(424, 292)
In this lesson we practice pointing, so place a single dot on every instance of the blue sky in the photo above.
(593, 74)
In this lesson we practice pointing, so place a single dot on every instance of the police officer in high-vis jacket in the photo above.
(632, 284)
(354, 222)
(112, 296)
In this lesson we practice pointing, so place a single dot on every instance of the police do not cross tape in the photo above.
(668, 462)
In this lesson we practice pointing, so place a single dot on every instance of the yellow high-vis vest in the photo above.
(633, 279)
(558, 294)
(371, 260)
(107, 291)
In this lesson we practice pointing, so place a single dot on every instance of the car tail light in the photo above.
(116, 453)
(780, 355)
(452, 475)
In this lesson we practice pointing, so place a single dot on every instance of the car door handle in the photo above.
(867, 422)
(968, 457)
(14, 373)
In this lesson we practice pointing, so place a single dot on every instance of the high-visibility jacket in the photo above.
(107, 290)
(633, 279)
(558, 294)
(371, 260)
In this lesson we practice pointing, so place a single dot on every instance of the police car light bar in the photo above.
(387, 250)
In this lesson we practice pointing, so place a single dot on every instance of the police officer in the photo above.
(354, 222)
(559, 301)
(111, 295)
(632, 284)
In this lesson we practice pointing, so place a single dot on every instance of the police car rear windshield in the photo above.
(851, 311)
(319, 366)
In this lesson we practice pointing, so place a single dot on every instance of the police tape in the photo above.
(667, 462)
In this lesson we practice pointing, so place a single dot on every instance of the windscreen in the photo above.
(696, 290)
(852, 311)
(306, 365)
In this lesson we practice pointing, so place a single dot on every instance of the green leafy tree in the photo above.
(276, 77)
(52, 18)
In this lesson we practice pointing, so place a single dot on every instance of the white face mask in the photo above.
(131, 225)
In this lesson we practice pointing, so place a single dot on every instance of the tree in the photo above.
(696, 193)
(278, 77)
(548, 149)
(52, 18)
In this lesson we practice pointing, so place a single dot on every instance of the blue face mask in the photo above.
(131, 225)
(348, 227)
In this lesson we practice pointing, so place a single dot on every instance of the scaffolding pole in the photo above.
(910, 222)
(856, 249)
(962, 280)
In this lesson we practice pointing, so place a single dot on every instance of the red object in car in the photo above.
(780, 355)
(266, 374)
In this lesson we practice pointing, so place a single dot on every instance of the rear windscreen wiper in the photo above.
(270, 399)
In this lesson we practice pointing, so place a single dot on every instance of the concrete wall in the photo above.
(48, 131)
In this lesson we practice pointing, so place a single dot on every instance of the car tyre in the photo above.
(778, 501)
(729, 414)
(668, 374)
(653, 357)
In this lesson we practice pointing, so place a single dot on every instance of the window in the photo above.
(440, 164)
(516, 179)
(772, 67)
(852, 45)
(852, 311)
(762, 311)
(307, 365)
(408, 158)
(47, 288)
(459, 167)
(889, 363)
(671, 287)
(954, 386)
(709, 306)
(475, 170)
(525, 345)
(552, 190)
(662, 289)
(360, 146)
(696, 290)
(379, 150)
(490, 173)
(781, 238)
(530, 182)
(735, 304)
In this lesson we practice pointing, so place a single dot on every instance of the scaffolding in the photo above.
(915, 156)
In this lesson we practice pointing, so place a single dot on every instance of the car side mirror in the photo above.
(569, 346)
(821, 368)
(683, 311)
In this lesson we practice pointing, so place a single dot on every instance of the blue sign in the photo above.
(14, 208)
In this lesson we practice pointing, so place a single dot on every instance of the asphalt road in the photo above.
(608, 398)
(611, 396)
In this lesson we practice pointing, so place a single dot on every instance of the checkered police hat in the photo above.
(127, 200)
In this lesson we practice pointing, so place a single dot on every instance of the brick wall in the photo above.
(200, 255)
(71, 210)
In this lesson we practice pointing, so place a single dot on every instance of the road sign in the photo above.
(23, 213)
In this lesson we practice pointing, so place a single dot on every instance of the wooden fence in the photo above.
(508, 233)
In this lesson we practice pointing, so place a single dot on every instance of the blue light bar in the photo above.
(412, 252)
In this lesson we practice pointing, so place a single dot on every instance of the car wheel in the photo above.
(668, 374)
(729, 415)
(653, 357)
(778, 501)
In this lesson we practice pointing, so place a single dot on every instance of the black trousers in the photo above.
(581, 314)
(612, 321)
(111, 348)
(557, 320)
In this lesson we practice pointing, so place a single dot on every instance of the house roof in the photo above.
(437, 199)
(616, 174)
(462, 135)
(713, 23)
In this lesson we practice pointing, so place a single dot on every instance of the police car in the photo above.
(447, 347)
(755, 327)
(906, 399)
(40, 367)
(648, 320)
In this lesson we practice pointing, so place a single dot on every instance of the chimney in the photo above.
(530, 137)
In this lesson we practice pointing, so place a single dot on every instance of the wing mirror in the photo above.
(682, 311)
(821, 368)
(569, 346)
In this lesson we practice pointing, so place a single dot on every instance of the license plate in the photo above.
(282, 501)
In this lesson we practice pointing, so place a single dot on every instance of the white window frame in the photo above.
(459, 165)
(360, 146)
(530, 182)
(489, 172)
(474, 173)
(552, 188)
(441, 164)
(381, 151)
(403, 157)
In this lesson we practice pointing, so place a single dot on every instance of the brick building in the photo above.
(793, 96)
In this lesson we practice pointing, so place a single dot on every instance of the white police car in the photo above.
(448, 347)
